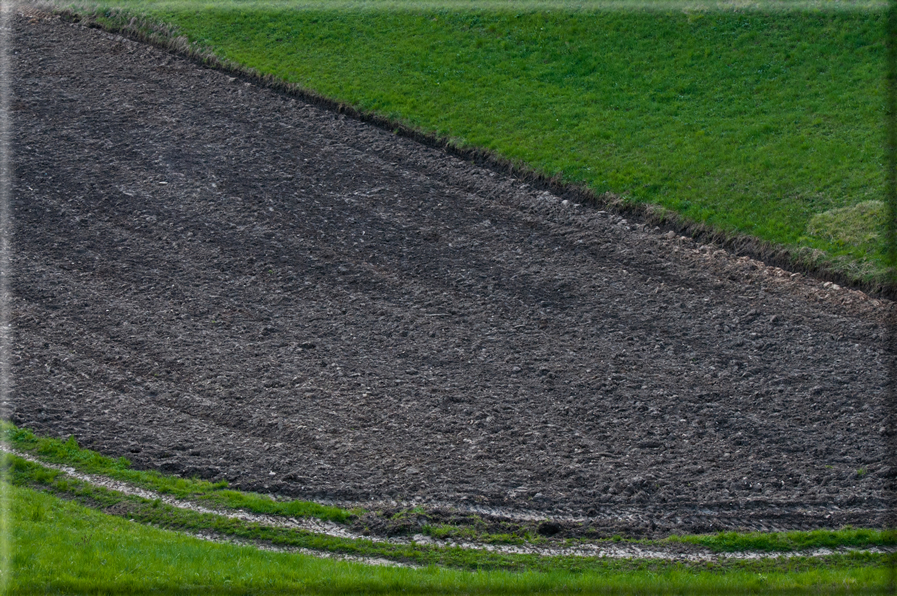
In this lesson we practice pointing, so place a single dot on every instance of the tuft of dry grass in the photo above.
(860, 225)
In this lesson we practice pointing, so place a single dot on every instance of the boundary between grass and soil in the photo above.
(141, 28)
(65, 546)
(58, 483)
(212, 511)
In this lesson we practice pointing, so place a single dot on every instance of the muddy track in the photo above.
(215, 279)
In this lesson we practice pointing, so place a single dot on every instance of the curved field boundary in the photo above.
(596, 550)
(803, 260)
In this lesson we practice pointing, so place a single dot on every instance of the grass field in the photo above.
(765, 121)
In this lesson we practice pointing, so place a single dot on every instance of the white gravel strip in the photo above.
(376, 561)
(603, 550)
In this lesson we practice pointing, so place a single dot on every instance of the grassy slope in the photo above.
(750, 121)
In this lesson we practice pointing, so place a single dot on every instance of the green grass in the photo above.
(208, 493)
(860, 225)
(792, 541)
(756, 122)
(63, 547)
(84, 460)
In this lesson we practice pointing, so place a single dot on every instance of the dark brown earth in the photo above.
(215, 279)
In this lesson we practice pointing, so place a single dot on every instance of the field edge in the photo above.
(877, 282)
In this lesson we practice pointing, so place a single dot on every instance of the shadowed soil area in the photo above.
(215, 279)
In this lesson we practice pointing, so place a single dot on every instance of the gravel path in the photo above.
(215, 279)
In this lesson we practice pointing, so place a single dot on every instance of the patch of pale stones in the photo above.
(596, 550)
(375, 561)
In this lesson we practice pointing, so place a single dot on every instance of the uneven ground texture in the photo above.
(215, 279)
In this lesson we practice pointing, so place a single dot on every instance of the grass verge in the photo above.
(791, 541)
(212, 494)
(468, 529)
(746, 124)
(61, 545)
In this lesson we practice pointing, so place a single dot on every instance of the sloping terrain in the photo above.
(212, 278)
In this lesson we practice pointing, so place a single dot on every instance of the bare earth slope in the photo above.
(214, 279)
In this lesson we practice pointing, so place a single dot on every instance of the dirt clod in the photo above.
(550, 528)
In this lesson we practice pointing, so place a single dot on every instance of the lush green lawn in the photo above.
(755, 121)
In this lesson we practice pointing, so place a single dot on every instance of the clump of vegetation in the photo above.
(861, 226)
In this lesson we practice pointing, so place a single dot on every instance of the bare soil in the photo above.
(216, 279)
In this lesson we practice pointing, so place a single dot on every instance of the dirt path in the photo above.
(214, 279)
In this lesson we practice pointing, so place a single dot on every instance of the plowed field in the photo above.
(215, 279)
